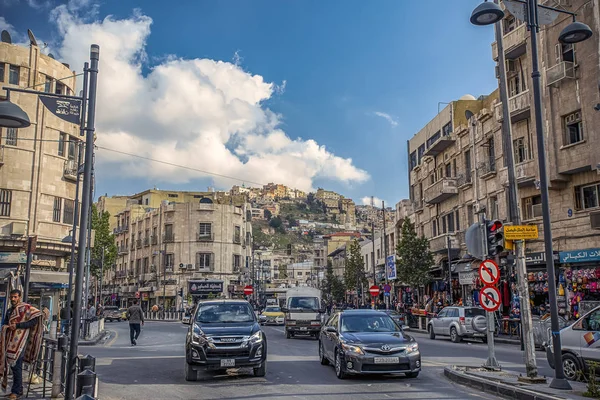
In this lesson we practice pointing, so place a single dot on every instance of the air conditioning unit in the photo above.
(511, 67)
(190, 266)
(536, 210)
(595, 220)
(18, 228)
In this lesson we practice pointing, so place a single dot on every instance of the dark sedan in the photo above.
(367, 342)
(224, 334)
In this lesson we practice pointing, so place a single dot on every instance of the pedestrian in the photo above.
(91, 312)
(66, 314)
(20, 340)
(135, 315)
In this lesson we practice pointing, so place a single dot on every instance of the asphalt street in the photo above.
(154, 370)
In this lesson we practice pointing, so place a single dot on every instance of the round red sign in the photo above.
(374, 290)
(248, 290)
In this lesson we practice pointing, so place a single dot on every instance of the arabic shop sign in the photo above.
(13, 258)
(579, 256)
(205, 287)
(67, 109)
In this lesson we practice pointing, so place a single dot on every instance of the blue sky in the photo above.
(346, 64)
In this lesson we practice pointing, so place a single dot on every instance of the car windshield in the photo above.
(224, 313)
(368, 323)
(304, 303)
(474, 312)
(272, 309)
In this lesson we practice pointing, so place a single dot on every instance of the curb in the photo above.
(496, 388)
(94, 341)
(162, 320)
(496, 339)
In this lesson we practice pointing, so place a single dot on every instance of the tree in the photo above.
(354, 273)
(275, 222)
(338, 289)
(413, 258)
(332, 286)
(310, 199)
(283, 271)
(103, 240)
(268, 215)
(326, 285)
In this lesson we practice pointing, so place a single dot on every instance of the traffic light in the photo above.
(289, 249)
(181, 292)
(495, 238)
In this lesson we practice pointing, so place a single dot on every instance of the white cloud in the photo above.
(387, 117)
(201, 113)
(376, 201)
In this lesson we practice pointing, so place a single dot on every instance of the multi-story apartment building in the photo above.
(347, 212)
(456, 169)
(161, 248)
(113, 205)
(323, 194)
(38, 169)
(275, 191)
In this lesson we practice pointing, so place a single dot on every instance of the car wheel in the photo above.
(431, 332)
(412, 374)
(454, 336)
(484, 339)
(262, 370)
(322, 356)
(339, 365)
(571, 366)
(288, 334)
(191, 375)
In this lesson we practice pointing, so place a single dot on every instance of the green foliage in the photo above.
(283, 271)
(413, 257)
(593, 389)
(332, 286)
(338, 289)
(354, 273)
(103, 240)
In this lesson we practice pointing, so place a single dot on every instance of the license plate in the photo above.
(227, 363)
(387, 360)
(303, 328)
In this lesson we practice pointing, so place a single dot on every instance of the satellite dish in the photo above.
(31, 37)
(6, 37)
(51, 56)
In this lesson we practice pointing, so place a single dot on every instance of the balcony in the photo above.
(122, 250)
(205, 237)
(526, 173)
(138, 243)
(168, 238)
(439, 145)
(237, 239)
(154, 240)
(518, 106)
(487, 169)
(200, 267)
(439, 244)
(1, 156)
(515, 43)
(464, 180)
(70, 170)
(562, 70)
(417, 206)
(442, 190)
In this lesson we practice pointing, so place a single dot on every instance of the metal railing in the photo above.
(464, 179)
(487, 167)
(168, 238)
(206, 237)
(163, 315)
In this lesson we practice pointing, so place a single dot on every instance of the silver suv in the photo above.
(457, 322)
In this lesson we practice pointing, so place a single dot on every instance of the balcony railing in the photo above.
(514, 43)
(560, 71)
(70, 170)
(464, 179)
(168, 238)
(206, 237)
(439, 244)
(487, 168)
(154, 239)
(122, 250)
(417, 205)
(138, 243)
(441, 190)
(146, 241)
(518, 106)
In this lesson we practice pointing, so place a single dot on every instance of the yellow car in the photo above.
(123, 314)
(272, 315)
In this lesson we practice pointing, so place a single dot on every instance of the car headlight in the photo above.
(256, 337)
(412, 348)
(198, 337)
(352, 348)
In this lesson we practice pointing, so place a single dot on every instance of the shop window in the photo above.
(573, 128)
(587, 196)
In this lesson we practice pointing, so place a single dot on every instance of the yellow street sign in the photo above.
(520, 232)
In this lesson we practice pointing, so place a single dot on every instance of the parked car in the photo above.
(112, 313)
(580, 344)
(399, 318)
(224, 334)
(123, 312)
(367, 342)
(458, 323)
(272, 315)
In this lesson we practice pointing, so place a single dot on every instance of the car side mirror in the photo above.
(283, 309)
(331, 329)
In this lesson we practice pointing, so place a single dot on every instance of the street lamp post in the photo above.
(489, 13)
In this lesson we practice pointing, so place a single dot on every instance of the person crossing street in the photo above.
(135, 315)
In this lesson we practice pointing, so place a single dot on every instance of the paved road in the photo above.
(154, 370)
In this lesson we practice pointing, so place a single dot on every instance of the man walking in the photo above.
(20, 340)
(136, 317)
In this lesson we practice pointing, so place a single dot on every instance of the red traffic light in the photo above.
(494, 226)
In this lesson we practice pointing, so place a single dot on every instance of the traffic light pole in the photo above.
(491, 362)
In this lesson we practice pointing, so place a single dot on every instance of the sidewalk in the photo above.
(502, 339)
(506, 384)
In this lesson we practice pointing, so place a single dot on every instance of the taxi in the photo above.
(272, 315)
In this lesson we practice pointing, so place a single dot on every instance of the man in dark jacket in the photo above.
(135, 315)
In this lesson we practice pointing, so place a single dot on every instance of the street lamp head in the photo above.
(575, 32)
(13, 116)
(487, 13)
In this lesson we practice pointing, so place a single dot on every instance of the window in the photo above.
(520, 149)
(299, 273)
(69, 212)
(573, 128)
(433, 138)
(13, 74)
(138, 267)
(169, 233)
(564, 52)
(434, 228)
(173, 195)
(203, 260)
(11, 136)
(413, 160)
(145, 264)
(447, 129)
(420, 152)
(237, 262)
(5, 201)
(491, 154)
(169, 259)
(62, 141)
(468, 165)
(205, 229)
(57, 209)
(1, 72)
(60, 88)
(494, 207)
(509, 24)
(587, 196)
(237, 235)
(378, 254)
(48, 85)
(72, 147)
(450, 222)
(470, 214)
(448, 170)
(457, 221)
(532, 207)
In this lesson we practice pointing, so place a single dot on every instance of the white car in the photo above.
(186, 319)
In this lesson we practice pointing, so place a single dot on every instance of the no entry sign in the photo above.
(489, 273)
(489, 297)
(374, 290)
(248, 290)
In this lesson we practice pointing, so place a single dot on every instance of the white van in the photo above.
(580, 344)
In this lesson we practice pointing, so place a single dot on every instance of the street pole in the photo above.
(88, 253)
(513, 212)
(164, 276)
(373, 259)
(86, 202)
(491, 362)
(101, 302)
(449, 270)
(27, 269)
(559, 381)
(385, 254)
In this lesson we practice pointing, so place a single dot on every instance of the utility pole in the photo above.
(449, 245)
(164, 276)
(102, 275)
(373, 253)
(384, 248)
(513, 213)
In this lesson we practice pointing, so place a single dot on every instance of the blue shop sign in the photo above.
(579, 256)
